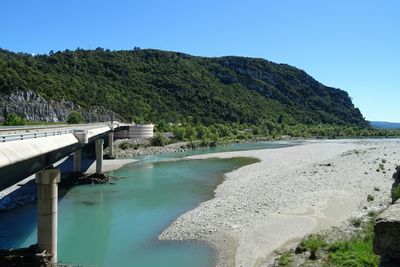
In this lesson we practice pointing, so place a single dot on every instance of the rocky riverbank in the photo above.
(291, 193)
(127, 148)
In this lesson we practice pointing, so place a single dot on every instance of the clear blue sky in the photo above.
(350, 44)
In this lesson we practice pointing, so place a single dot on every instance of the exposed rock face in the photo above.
(36, 108)
(387, 233)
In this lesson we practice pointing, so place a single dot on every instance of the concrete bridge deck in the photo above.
(33, 149)
(29, 149)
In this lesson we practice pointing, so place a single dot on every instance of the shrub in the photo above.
(179, 133)
(395, 193)
(74, 118)
(356, 252)
(370, 198)
(124, 145)
(159, 140)
(371, 213)
(356, 222)
(286, 259)
(14, 120)
(313, 244)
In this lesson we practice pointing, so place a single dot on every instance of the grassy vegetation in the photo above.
(286, 259)
(356, 251)
(381, 167)
(313, 244)
(355, 221)
(395, 193)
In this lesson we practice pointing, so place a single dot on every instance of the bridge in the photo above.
(29, 150)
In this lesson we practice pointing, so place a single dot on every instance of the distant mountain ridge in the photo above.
(385, 125)
(154, 85)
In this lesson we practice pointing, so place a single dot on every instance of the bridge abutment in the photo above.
(47, 189)
(99, 155)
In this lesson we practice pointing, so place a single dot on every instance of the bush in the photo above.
(179, 133)
(395, 193)
(124, 145)
(286, 259)
(159, 140)
(370, 198)
(74, 118)
(313, 244)
(356, 252)
(356, 222)
(14, 120)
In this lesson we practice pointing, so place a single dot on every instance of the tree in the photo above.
(75, 117)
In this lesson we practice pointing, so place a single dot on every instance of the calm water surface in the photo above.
(118, 225)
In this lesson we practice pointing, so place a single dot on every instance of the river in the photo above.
(118, 224)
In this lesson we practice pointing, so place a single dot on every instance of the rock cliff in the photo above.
(35, 108)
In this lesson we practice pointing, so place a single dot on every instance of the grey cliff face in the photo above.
(33, 107)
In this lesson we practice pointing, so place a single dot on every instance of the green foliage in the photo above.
(370, 198)
(313, 244)
(124, 145)
(159, 140)
(356, 252)
(355, 221)
(152, 85)
(74, 118)
(395, 193)
(179, 133)
(14, 120)
(286, 259)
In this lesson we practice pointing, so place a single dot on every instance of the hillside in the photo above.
(153, 85)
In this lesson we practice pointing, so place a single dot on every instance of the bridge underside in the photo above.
(13, 173)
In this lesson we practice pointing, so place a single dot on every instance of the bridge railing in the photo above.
(24, 136)
(8, 134)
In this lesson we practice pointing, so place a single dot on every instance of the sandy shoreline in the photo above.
(290, 193)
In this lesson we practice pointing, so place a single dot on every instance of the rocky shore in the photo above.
(127, 148)
(291, 193)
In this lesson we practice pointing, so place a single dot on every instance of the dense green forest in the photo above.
(159, 86)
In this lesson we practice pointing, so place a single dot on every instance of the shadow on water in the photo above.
(20, 220)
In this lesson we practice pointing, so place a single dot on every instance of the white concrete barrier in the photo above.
(17, 151)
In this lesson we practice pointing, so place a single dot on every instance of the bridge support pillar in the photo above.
(99, 155)
(110, 145)
(77, 161)
(47, 210)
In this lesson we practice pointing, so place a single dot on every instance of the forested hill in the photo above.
(153, 85)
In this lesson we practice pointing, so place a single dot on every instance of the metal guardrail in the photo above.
(16, 137)
(8, 134)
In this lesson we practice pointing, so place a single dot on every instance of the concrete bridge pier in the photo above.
(99, 155)
(77, 161)
(47, 188)
(83, 138)
(110, 145)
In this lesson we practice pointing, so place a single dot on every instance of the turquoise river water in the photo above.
(118, 224)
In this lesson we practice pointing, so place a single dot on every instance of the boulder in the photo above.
(387, 233)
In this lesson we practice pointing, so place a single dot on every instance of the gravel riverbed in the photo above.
(290, 193)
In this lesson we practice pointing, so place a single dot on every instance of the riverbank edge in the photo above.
(226, 243)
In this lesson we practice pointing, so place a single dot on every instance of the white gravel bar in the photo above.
(290, 193)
